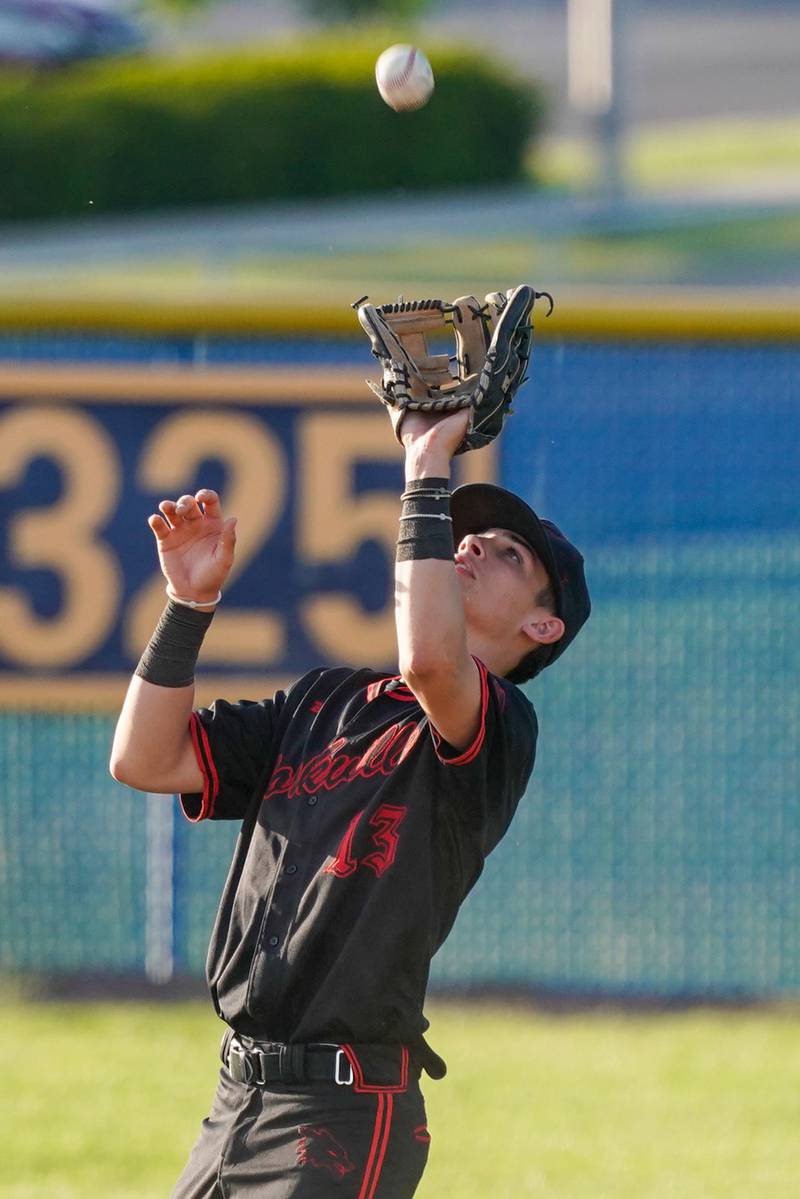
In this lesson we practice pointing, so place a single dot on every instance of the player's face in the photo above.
(500, 578)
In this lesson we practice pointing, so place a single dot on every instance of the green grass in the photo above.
(685, 154)
(103, 1101)
(702, 251)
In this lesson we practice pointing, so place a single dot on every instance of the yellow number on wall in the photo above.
(333, 522)
(62, 538)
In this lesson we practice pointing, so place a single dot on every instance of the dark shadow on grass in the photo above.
(89, 987)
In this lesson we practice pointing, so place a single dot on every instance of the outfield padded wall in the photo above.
(657, 851)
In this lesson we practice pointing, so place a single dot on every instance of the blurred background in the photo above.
(192, 196)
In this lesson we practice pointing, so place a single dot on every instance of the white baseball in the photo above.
(404, 78)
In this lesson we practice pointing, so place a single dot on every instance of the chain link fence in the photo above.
(657, 852)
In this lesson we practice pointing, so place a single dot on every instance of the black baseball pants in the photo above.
(311, 1141)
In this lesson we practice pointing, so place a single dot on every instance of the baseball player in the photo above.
(367, 803)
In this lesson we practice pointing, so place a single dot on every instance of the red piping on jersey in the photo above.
(472, 751)
(205, 760)
(361, 1087)
(212, 767)
(403, 692)
(380, 1141)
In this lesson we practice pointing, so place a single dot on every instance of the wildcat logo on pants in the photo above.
(318, 1147)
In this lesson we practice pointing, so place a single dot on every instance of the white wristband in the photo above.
(427, 516)
(187, 603)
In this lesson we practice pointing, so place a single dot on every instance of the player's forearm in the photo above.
(152, 749)
(429, 613)
(429, 610)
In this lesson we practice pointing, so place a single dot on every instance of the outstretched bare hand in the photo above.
(195, 545)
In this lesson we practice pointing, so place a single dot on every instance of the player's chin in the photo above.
(469, 592)
(467, 584)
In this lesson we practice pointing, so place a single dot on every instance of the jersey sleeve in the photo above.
(483, 784)
(232, 744)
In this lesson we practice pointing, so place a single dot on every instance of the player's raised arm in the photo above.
(434, 657)
(470, 394)
(152, 748)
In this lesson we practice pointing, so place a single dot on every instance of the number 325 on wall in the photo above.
(278, 463)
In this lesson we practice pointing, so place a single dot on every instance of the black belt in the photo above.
(260, 1063)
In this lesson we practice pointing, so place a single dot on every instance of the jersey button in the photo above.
(291, 869)
(312, 799)
(273, 941)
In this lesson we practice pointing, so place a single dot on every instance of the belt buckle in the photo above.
(239, 1065)
(342, 1082)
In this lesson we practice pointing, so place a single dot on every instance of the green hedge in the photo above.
(122, 136)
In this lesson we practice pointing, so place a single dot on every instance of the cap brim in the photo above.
(479, 506)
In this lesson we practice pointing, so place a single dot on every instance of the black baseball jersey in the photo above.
(362, 833)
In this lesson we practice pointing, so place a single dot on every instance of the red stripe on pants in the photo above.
(380, 1141)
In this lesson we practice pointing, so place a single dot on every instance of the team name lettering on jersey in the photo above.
(333, 767)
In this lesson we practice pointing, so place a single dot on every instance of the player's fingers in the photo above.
(159, 526)
(188, 508)
(226, 548)
(210, 501)
(167, 509)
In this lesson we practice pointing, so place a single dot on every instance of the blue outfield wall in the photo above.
(657, 851)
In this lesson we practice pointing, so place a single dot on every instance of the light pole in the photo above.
(594, 77)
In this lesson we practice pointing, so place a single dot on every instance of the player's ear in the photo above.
(544, 632)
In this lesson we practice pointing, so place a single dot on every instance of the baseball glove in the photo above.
(492, 351)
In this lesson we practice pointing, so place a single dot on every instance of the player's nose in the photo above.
(471, 544)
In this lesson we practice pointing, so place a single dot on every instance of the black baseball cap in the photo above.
(479, 506)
